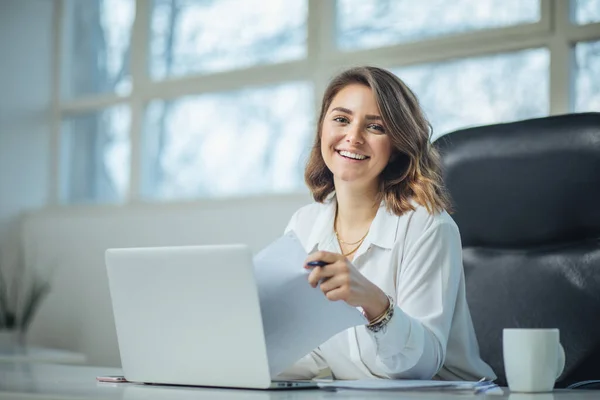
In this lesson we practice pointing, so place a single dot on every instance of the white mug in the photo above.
(533, 359)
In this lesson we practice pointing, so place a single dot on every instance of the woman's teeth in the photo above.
(354, 156)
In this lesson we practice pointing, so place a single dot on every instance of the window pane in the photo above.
(483, 90)
(374, 23)
(205, 36)
(225, 144)
(95, 156)
(586, 11)
(587, 76)
(97, 39)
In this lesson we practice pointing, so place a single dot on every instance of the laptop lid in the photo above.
(188, 315)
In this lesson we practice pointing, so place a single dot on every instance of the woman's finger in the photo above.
(337, 294)
(333, 283)
(316, 275)
(324, 256)
(324, 273)
(330, 270)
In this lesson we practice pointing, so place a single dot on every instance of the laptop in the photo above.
(190, 316)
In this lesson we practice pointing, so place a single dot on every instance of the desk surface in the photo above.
(53, 381)
(40, 354)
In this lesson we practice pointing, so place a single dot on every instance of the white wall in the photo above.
(77, 314)
(25, 95)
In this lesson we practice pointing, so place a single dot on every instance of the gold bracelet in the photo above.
(381, 316)
(378, 325)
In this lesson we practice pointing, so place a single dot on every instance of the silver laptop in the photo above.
(190, 316)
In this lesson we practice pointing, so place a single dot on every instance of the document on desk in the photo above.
(482, 386)
(297, 318)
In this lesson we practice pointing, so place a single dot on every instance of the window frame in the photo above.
(554, 30)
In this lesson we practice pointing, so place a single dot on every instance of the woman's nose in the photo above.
(355, 134)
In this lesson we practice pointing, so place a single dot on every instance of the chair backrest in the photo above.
(527, 202)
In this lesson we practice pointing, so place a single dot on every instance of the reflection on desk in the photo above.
(40, 354)
(34, 381)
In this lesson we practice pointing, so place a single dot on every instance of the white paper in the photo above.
(402, 384)
(387, 384)
(297, 318)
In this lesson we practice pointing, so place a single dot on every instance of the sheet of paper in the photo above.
(297, 318)
(411, 385)
(408, 385)
(385, 384)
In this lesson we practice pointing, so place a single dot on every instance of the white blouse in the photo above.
(417, 259)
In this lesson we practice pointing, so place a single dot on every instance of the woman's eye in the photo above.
(341, 120)
(377, 128)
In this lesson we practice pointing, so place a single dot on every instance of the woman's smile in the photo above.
(352, 156)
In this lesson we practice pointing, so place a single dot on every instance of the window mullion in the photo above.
(321, 43)
(139, 75)
(55, 134)
(560, 58)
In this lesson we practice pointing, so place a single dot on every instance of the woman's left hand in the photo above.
(340, 280)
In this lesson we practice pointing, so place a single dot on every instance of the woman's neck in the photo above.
(356, 209)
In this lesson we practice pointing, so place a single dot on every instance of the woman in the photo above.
(381, 226)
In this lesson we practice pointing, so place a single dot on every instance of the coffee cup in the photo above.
(533, 359)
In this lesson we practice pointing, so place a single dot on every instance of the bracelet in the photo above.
(381, 321)
(380, 317)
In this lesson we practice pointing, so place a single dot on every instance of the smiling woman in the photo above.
(373, 109)
(381, 231)
(354, 147)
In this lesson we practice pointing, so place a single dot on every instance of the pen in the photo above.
(316, 264)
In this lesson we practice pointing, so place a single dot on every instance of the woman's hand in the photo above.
(340, 280)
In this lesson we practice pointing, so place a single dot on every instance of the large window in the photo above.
(375, 23)
(95, 155)
(481, 90)
(586, 11)
(213, 36)
(221, 144)
(165, 100)
(587, 76)
(97, 39)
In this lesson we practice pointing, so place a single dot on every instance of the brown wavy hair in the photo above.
(414, 172)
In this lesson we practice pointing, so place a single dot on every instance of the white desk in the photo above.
(40, 354)
(48, 381)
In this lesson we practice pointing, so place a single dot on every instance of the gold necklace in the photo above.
(340, 241)
(353, 250)
(348, 243)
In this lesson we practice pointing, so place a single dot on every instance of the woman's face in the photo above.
(354, 142)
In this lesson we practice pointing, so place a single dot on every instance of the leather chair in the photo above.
(527, 202)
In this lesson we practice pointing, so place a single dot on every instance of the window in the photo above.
(163, 100)
(374, 23)
(483, 90)
(587, 77)
(586, 11)
(95, 156)
(97, 40)
(222, 144)
(213, 36)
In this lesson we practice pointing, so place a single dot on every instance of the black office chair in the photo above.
(527, 201)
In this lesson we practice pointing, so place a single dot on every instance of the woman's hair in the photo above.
(414, 171)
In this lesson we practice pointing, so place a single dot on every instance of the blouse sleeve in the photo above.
(308, 367)
(413, 344)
